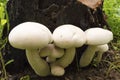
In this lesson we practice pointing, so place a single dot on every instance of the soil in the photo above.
(92, 72)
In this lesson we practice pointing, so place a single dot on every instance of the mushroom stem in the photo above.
(40, 66)
(100, 50)
(98, 57)
(52, 51)
(50, 59)
(67, 58)
(87, 56)
(63, 62)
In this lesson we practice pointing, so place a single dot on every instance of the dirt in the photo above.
(92, 72)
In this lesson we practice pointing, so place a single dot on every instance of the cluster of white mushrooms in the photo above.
(49, 53)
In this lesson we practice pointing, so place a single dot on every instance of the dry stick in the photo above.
(3, 66)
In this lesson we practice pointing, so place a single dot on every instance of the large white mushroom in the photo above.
(67, 37)
(97, 38)
(32, 36)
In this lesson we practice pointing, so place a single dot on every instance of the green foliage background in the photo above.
(112, 10)
(4, 21)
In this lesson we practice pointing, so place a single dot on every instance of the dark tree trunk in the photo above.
(51, 13)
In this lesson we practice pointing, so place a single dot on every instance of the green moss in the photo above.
(112, 10)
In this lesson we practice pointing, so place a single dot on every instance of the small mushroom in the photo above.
(57, 70)
(90, 52)
(98, 36)
(32, 36)
(95, 37)
(67, 37)
(100, 50)
(51, 52)
(63, 62)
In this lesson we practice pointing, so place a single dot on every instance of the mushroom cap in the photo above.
(66, 36)
(30, 35)
(102, 48)
(98, 36)
(57, 70)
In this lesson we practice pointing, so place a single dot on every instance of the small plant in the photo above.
(3, 21)
(113, 66)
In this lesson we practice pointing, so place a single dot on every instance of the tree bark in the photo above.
(51, 13)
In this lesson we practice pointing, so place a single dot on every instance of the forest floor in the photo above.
(108, 69)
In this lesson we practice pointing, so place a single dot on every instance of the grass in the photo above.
(3, 21)
(112, 11)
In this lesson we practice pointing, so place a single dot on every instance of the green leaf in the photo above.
(3, 22)
(2, 14)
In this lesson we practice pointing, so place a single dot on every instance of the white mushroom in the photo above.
(89, 53)
(67, 37)
(100, 50)
(95, 37)
(98, 36)
(32, 36)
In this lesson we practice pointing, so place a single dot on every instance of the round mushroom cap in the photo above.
(30, 35)
(98, 36)
(66, 36)
(57, 70)
(102, 48)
